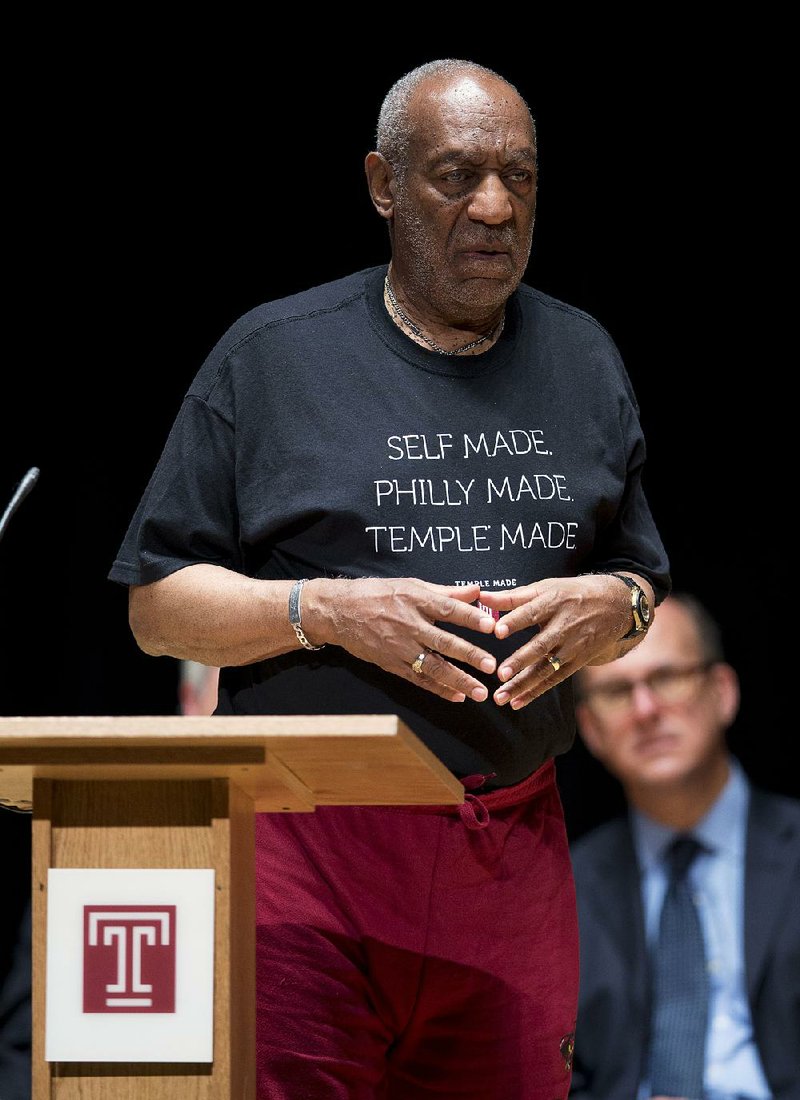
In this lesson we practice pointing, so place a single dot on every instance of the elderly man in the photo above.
(415, 490)
(726, 1025)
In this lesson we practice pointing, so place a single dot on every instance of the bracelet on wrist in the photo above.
(295, 616)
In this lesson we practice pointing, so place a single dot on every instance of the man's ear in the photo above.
(726, 684)
(380, 180)
(589, 730)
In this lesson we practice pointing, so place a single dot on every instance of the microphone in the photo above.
(20, 806)
(22, 491)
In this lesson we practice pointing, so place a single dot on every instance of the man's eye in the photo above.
(458, 175)
(665, 678)
(520, 176)
(617, 691)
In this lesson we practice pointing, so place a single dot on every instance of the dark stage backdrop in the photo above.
(162, 191)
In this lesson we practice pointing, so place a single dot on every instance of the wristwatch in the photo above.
(640, 607)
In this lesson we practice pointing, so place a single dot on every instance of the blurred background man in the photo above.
(197, 687)
(657, 719)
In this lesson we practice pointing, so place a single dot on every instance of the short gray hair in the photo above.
(393, 132)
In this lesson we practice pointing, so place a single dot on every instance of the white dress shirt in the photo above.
(733, 1067)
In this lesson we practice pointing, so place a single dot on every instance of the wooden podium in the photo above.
(181, 792)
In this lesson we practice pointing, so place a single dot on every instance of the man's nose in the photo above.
(490, 202)
(643, 699)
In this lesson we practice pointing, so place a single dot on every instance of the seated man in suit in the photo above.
(657, 719)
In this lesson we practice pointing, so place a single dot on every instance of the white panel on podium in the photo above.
(130, 965)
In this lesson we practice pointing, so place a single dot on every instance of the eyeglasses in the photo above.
(669, 686)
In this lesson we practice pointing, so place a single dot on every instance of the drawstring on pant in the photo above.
(473, 812)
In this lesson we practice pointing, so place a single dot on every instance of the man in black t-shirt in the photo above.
(416, 490)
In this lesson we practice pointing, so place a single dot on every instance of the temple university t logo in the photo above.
(129, 958)
(129, 974)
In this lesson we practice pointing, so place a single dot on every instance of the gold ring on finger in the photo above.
(416, 665)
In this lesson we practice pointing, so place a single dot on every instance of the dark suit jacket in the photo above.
(613, 1012)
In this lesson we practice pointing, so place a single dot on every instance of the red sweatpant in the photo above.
(413, 952)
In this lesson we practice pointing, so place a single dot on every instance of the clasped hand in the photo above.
(401, 625)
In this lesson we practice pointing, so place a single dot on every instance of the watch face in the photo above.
(644, 608)
(640, 606)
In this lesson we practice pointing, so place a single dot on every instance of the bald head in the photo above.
(400, 117)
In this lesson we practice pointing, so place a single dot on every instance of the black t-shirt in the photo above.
(318, 440)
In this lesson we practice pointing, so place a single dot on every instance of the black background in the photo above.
(171, 178)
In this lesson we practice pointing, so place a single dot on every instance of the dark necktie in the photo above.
(680, 985)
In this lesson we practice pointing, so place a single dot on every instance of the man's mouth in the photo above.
(483, 250)
(485, 255)
(656, 742)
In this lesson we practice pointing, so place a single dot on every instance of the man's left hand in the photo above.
(578, 621)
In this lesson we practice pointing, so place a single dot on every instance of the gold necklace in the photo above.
(496, 331)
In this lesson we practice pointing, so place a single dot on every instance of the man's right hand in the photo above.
(391, 622)
(210, 614)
